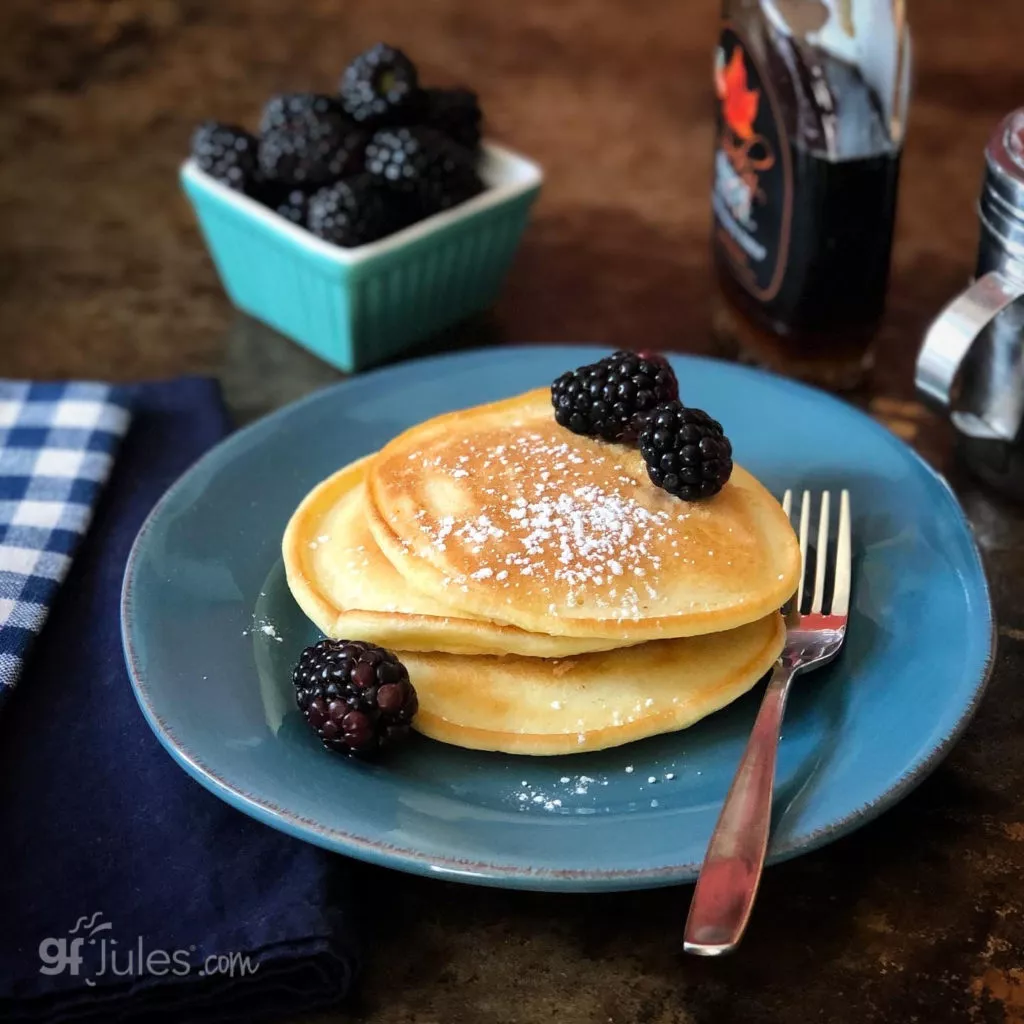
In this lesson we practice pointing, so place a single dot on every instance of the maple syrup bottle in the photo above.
(811, 104)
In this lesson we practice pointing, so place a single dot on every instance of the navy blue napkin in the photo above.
(111, 857)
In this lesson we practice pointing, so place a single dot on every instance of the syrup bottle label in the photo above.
(752, 194)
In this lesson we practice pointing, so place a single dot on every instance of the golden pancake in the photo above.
(349, 589)
(504, 514)
(592, 701)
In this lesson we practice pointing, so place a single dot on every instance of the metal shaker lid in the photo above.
(1002, 195)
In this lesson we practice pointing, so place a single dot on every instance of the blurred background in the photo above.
(103, 272)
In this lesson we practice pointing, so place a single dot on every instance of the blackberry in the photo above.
(350, 213)
(292, 204)
(380, 86)
(309, 142)
(455, 112)
(424, 165)
(655, 359)
(285, 108)
(227, 153)
(613, 397)
(357, 696)
(686, 452)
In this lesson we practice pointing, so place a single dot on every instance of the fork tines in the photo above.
(840, 598)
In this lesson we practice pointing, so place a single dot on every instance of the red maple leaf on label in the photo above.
(739, 104)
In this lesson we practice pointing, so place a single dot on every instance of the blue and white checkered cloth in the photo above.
(57, 447)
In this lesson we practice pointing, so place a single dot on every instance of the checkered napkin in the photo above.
(57, 446)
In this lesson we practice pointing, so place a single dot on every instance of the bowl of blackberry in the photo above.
(360, 222)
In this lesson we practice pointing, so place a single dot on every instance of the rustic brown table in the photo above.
(917, 917)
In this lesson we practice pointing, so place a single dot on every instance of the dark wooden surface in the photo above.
(102, 273)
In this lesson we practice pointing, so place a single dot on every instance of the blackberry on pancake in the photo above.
(612, 398)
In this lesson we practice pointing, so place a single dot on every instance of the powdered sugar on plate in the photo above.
(556, 796)
(576, 793)
(265, 628)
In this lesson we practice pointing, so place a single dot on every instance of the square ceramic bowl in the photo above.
(356, 307)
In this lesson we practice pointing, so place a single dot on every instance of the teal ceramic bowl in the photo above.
(357, 307)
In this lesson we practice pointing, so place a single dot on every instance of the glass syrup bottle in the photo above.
(811, 106)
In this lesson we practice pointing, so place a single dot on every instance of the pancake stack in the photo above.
(544, 595)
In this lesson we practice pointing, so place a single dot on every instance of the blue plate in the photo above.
(211, 632)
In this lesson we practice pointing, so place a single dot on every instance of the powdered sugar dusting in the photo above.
(265, 628)
(559, 524)
(557, 796)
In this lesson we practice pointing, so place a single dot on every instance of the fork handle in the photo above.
(732, 866)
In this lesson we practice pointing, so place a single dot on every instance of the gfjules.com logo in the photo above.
(90, 951)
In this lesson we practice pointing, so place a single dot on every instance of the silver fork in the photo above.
(732, 866)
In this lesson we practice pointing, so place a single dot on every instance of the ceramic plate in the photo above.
(211, 633)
